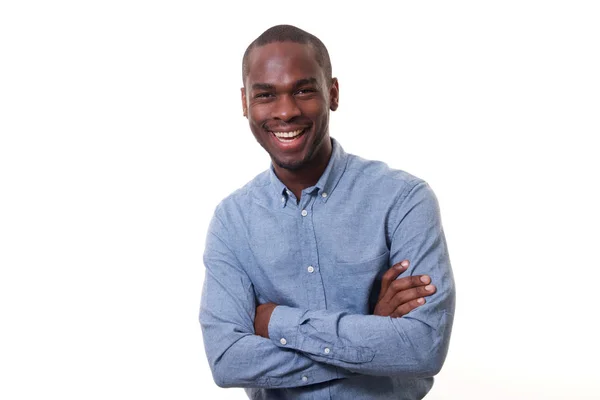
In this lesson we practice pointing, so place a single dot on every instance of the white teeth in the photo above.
(288, 135)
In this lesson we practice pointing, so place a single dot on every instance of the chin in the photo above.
(292, 161)
(290, 165)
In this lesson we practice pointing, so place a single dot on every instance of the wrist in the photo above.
(263, 317)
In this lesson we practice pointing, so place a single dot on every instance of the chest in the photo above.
(318, 255)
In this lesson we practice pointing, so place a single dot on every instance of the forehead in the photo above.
(282, 63)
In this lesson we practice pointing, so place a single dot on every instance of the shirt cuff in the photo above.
(285, 331)
(284, 325)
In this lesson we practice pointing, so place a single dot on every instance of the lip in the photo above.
(290, 145)
(286, 129)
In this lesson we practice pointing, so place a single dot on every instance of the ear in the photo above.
(334, 95)
(244, 104)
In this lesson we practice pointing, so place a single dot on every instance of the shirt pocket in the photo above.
(352, 285)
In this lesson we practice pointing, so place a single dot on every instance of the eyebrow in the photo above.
(298, 83)
(263, 86)
(307, 81)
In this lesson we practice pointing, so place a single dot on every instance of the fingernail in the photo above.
(425, 279)
(429, 288)
(404, 263)
(421, 300)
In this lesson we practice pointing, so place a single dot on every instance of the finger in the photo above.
(406, 283)
(407, 307)
(391, 274)
(408, 295)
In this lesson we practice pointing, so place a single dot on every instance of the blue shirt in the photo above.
(322, 259)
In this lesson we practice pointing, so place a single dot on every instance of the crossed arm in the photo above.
(280, 346)
(397, 297)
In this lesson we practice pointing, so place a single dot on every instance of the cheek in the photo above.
(258, 114)
(313, 112)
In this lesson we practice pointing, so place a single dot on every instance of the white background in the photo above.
(121, 129)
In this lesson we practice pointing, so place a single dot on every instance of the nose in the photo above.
(285, 108)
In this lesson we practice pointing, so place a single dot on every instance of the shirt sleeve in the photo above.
(237, 357)
(414, 345)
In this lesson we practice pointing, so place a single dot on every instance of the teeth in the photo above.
(288, 135)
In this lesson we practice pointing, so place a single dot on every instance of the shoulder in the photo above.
(378, 176)
(243, 197)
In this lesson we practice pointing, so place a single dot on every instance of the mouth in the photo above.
(288, 137)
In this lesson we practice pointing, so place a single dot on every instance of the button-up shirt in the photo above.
(321, 259)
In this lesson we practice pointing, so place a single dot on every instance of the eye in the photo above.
(263, 95)
(305, 91)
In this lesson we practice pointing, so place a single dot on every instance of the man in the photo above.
(299, 300)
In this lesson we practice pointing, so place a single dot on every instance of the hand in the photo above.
(398, 297)
(262, 318)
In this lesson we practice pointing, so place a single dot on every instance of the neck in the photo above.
(308, 175)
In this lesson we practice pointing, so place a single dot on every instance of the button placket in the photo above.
(315, 292)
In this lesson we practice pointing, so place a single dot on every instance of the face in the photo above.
(287, 100)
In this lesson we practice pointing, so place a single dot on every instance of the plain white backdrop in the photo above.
(121, 129)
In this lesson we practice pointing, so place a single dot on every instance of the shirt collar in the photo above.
(326, 183)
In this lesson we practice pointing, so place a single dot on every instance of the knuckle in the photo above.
(423, 291)
(388, 277)
(401, 311)
(397, 285)
(405, 280)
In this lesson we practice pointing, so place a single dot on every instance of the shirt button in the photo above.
(283, 199)
(304, 379)
(283, 341)
(311, 269)
(324, 194)
(304, 213)
(327, 351)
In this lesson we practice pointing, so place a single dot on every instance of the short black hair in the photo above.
(289, 33)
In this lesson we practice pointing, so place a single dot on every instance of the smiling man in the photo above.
(327, 276)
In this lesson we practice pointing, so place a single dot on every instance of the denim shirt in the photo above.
(321, 259)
